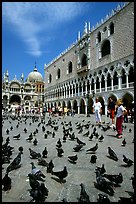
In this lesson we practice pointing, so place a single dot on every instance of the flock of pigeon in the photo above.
(55, 134)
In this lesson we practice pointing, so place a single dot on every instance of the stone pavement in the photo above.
(81, 172)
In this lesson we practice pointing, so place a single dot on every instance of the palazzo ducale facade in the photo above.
(99, 64)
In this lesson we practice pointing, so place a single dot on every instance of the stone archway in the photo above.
(5, 101)
(68, 105)
(75, 107)
(100, 98)
(90, 105)
(82, 106)
(15, 100)
(127, 101)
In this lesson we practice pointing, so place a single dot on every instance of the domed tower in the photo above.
(34, 76)
(36, 80)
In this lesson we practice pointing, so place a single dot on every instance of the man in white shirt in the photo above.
(97, 110)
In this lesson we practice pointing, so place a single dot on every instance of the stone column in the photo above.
(127, 80)
(69, 91)
(112, 83)
(100, 85)
(95, 86)
(86, 88)
(66, 91)
(105, 83)
(90, 87)
(78, 90)
(82, 89)
(119, 81)
(106, 108)
(72, 89)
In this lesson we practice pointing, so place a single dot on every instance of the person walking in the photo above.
(97, 106)
(111, 108)
(119, 117)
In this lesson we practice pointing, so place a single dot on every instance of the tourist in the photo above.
(97, 110)
(119, 117)
(111, 109)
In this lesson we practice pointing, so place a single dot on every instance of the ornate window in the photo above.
(58, 73)
(50, 78)
(70, 67)
(105, 50)
(99, 36)
(111, 28)
(84, 60)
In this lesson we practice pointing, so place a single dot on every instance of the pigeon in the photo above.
(39, 194)
(130, 130)
(84, 197)
(102, 184)
(61, 174)
(60, 151)
(105, 128)
(15, 163)
(43, 128)
(37, 172)
(30, 137)
(123, 143)
(44, 153)
(17, 136)
(102, 198)
(91, 137)
(125, 200)
(64, 138)
(7, 131)
(73, 158)
(25, 130)
(128, 161)
(35, 141)
(93, 159)
(100, 139)
(21, 149)
(78, 147)
(133, 181)
(86, 134)
(34, 183)
(101, 169)
(93, 149)
(42, 162)
(81, 130)
(50, 167)
(112, 154)
(115, 178)
(64, 200)
(80, 142)
(59, 145)
(33, 154)
(11, 128)
(6, 182)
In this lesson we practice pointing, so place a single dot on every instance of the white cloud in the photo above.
(29, 19)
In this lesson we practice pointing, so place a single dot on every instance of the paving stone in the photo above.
(81, 172)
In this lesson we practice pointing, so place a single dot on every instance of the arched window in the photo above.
(58, 73)
(99, 36)
(111, 28)
(105, 48)
(84, 60)
(70, 67)
(50, 78)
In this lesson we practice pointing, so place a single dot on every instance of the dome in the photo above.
(34, 76)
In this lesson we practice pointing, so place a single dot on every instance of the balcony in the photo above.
(82, 69)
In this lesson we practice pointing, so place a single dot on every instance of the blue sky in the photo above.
(40, 31)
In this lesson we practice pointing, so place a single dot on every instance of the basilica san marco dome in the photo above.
(34, 76)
